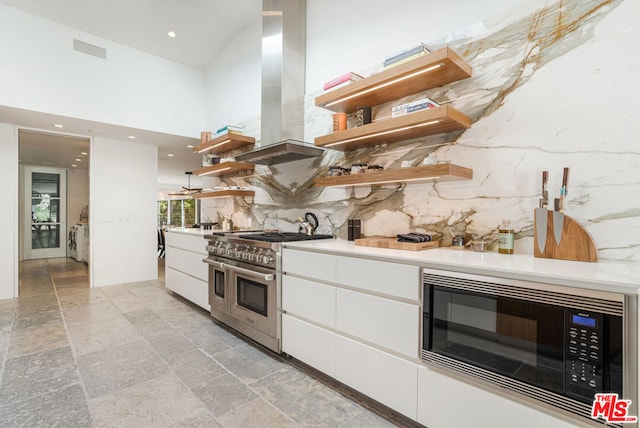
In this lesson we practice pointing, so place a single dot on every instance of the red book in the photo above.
(347, 77)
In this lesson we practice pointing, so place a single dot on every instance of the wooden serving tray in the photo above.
(393, 244)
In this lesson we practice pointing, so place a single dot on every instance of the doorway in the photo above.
(54, 198)
(45, 212)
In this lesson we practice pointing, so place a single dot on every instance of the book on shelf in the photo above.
(413, 106)
(230, 129)
(342, 80)
(403, 60)
(421, 49)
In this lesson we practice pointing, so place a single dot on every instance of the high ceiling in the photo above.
(202, 29)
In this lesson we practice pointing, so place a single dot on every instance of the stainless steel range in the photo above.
(245, 283)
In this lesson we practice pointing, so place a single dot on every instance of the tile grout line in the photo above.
(71, 347)
(166, 363)
(176, 375)
(212, 357)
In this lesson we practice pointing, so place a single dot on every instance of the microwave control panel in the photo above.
(583, 354)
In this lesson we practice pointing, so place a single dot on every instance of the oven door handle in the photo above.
(248, 272)
(215, 264)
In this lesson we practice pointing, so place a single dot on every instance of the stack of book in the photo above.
(413, 106)
(231, 129)
(407, 55)
(342, 80)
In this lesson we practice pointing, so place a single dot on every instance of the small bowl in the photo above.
(479, 246)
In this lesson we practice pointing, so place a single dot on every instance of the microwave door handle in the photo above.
(215, 263)
(248, 272)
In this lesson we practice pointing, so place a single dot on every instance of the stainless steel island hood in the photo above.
(283, 72)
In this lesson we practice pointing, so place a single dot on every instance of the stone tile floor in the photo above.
(137, 355)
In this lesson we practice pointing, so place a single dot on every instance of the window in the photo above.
(178, 212)
(163, 211)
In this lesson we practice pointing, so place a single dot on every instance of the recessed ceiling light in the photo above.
(190, 146)
(78, 160)
(171, 34)
(74, 165)
(170, 155)
(84, 153)
(132, 137)
(57, 125)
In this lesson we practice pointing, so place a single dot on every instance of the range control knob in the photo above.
(267, 259)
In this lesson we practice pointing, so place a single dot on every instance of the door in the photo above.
(219, 295)
(45, 212)
(254, 297)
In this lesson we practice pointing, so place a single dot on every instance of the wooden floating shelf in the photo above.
(224, 168)
(224, 143)
(429, 71)
(224, 193)
(439, 172)
(413, 125)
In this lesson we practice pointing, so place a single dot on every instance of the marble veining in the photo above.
(544, 78)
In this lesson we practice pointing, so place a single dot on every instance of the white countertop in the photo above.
(190, 231)
(610, 276)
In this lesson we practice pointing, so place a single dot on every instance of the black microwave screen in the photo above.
(571, 352)
(514, 338)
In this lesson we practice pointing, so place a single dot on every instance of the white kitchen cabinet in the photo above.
(310, 265)
(388, 323)
(192, 289)
(393, 279)
(309, 343)
(357, 320)
(187, 262)
(381, 376)
(187, 241)
(444, 402)
(185, 272)
(309, 300)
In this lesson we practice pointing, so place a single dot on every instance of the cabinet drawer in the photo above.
(195, 243)
(383, 377)
(187, 262)
(388, 323)
(440, 398)
(312, 265)
(190, 288)
(310, 300)
(309, 344)
(382, 277)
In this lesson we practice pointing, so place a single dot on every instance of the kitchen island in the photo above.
(355, 313)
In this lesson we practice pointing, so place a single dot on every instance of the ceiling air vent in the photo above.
(89, 49)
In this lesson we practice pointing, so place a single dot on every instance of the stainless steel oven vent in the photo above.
(284, 151)
(283, 73)
(529, 294)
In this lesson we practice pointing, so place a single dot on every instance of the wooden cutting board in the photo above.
(392, 243)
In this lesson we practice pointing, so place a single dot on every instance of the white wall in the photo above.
(123, 212)
(41, 72)
(9, 214)
(357, 35)
(233, 80)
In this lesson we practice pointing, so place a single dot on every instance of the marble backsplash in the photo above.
(544, 81)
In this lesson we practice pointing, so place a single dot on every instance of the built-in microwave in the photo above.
(554, 344)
